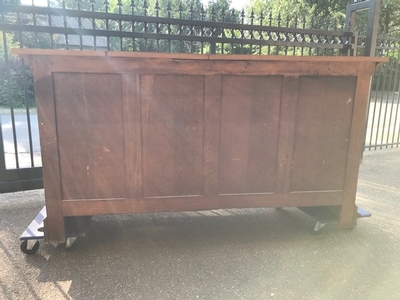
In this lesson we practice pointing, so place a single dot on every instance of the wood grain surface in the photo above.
(129, 133)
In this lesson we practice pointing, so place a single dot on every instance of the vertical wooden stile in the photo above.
(286, 132)
(44, 91)
(349, 209)
(212, 115)
(132, 134)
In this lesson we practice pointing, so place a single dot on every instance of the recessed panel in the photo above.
(249, 134)
(322, 133)
(90, 135)
(172, 114)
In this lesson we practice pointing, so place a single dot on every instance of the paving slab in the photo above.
(221, 254)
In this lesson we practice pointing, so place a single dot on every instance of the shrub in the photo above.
(12, 73)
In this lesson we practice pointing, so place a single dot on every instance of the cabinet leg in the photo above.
(348, 218)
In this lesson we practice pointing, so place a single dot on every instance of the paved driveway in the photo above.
(22, 133)
(22, 140)
(222, 254)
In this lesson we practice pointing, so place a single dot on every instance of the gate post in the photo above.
(374, 8)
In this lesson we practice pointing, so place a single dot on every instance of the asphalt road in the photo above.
(222, 254)
(22, 141)
(22, 133)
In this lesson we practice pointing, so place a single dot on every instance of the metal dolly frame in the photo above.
(75, 227)
(329, 214)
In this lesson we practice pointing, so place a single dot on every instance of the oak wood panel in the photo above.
(132, 118)
(173, 115)
(212, 112)
(44, 91)
(287, 125)
(249, 134)
(322, 133)
(207, 67)
(23, 52)
(162, 204)
(197, 133)
(90, 135)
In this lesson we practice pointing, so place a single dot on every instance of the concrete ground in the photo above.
(222, 254)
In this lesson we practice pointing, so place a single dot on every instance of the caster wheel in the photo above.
(24, 247)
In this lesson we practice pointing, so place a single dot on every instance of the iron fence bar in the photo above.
(373, 113)
(392, 101)
(2, 153)
(8, 79)
(28, 115)
(80, 27)
(392, 39)
(50, 24)
(270, 24)
(2, 150)
(386, 109)
(108, 25)
(65, 25)
(379, 118)
(94, 28)
(151, 19)
(23, 173)
(34, 24)
(397, 110)
(372, 27)
(397, 113)
(26, 104)
(382, 145)
(121, 34)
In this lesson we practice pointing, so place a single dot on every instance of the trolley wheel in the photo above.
(24, 247)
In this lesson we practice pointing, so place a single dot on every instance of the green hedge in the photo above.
(12, 83)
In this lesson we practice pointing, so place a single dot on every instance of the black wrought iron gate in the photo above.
(20, 163)
(130, 26)
(383, 123)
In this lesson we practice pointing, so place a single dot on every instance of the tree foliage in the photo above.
(7, 43)
(279, 7)
(216, 10)
(390, 16)
(14, 75)
(389, 21)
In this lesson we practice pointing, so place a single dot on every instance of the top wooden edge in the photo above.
(46, 52)
(24, 52)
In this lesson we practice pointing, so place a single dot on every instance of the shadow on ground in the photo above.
(222, 254)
